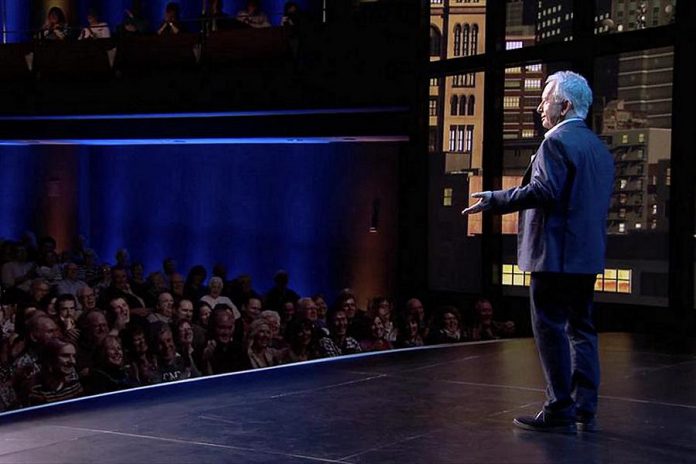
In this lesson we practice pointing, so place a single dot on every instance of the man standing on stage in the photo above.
(563, 203)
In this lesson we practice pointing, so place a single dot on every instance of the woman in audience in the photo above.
(143, 362)
(55, 27)
(373, 335)
(110, 373)
(273, 320)
(215, 297)
(408, 334)
(201, 314)
(58, 378)
(448, 327)
(300, 335)
(184, 342)
(96, 29)
(382, 307)
(259, 352)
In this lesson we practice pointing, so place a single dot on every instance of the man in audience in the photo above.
(70, 283)
(118, 316)
(87, 299)
(93, 330)
(176, 286)
(170, 363)
(414, 306)
(27, 365)
(168, 270)
(183, 310)
(484, 327)
(251, 311)
(280, 293)
(121, 288)
(18, 272)
(38, 291)
(338, 343)
(222, 354)
(164, 309)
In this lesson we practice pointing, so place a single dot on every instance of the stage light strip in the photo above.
(207, 141)
(221, 114)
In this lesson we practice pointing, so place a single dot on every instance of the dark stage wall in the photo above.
(306, 208)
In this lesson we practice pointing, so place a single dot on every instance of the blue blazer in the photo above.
(563, 202)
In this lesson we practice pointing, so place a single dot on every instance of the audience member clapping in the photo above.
(55, 27)
(171, 24)
(252, 15)
(96, 28)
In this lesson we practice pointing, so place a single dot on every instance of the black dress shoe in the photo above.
(544, 423)
(586, 424)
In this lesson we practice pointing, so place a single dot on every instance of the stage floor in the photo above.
(451, 404)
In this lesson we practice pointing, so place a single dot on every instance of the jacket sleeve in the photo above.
(545, 187)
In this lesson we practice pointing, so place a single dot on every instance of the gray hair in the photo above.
(216, 280)
(574, 88)
(270, 314)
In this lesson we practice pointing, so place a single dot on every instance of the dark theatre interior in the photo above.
(231, 230)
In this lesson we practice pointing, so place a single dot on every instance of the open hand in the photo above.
(483, 204)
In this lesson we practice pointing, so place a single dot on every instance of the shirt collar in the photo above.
(554, 128)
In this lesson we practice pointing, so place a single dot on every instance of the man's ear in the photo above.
(566, 107)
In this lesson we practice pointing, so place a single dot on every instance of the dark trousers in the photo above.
(566, 339)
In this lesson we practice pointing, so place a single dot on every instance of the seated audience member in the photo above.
(251, 310)
(38, 290)
(372, 335)
(66, 317)
(87, 300)
(301, 339)
(171, 24)
(215, 297)
(48, 268)
(484, 327)
(414, 306)
(252, 15)
(280, 293)
(154, 285)
(170, 364)
(14, 343)
(164, 309)
(143, 362)
(176, 286)
(222, 354)
(137, 279)
(102, 282)
(241, 290)
(292, 16)
(447, 328)
(307, 309)
(133, 22)
(122, 258)
(214, 18)
(55, 27)
(89, 270)
(17, 273)
(338, 343)
(184, 340)
(70, 283)
(95, 29)
(121, 288)
(168, 270)
(118, 316)
(259, 352)
(109, 372)
(408, 334)
(93, 329)
(273, 319)
(58, 380)
(194, 288)
(201, 315)
(322, 309)
(27, 366)
(382, 307)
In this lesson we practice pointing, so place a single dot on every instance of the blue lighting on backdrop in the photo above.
(256, 208)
